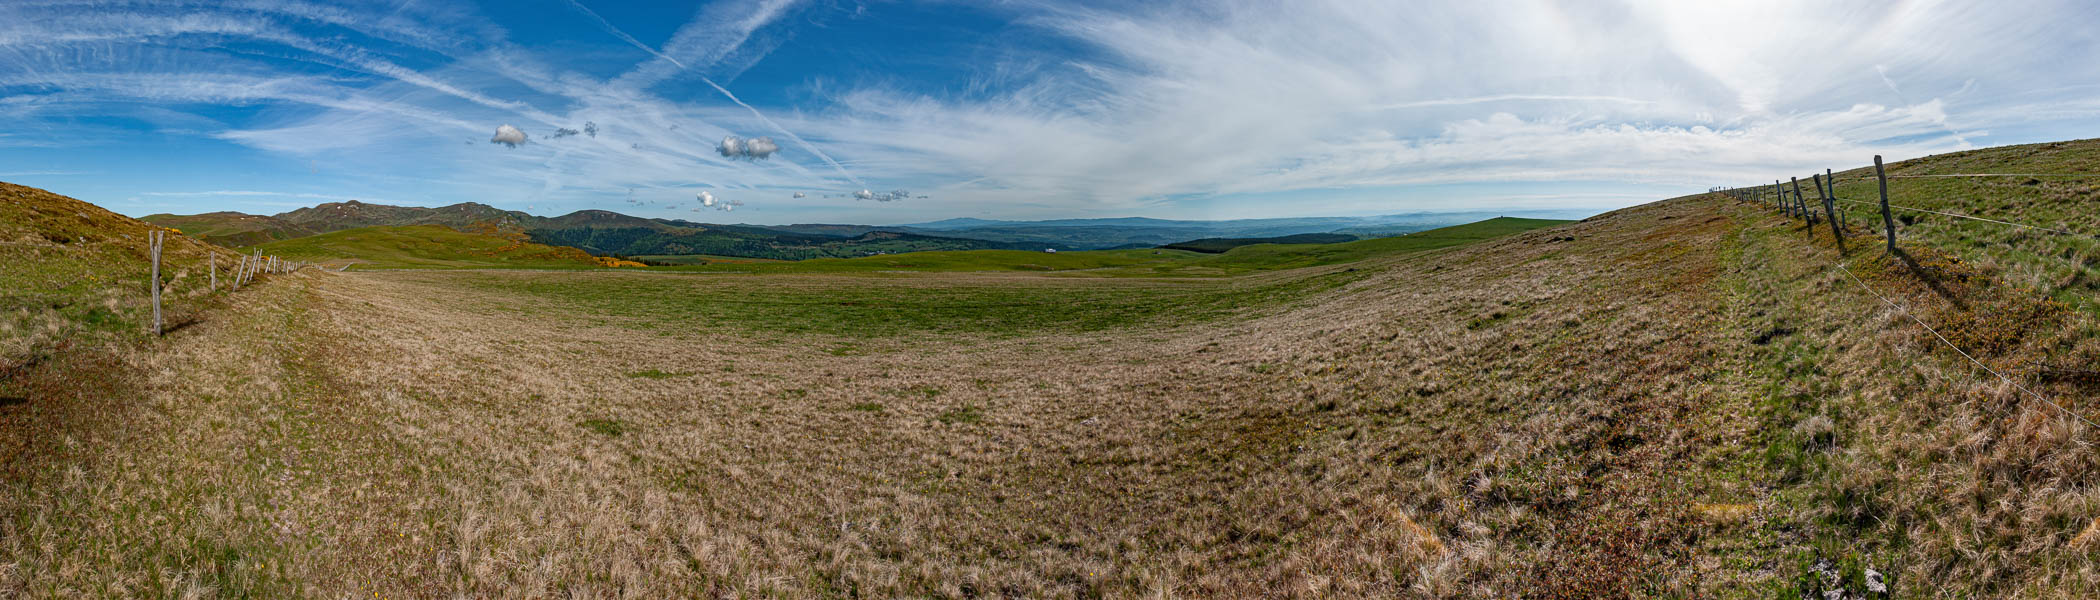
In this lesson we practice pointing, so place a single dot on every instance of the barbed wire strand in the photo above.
(2037, 228)
(1957, 349)
(1996, 175)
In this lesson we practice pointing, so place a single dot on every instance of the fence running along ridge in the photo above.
(248, 269)
(1826, 186)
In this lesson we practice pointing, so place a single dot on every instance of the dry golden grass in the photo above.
(1680, 399)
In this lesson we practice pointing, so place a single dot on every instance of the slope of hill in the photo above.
(231, 229)
(1217, 245)
(428, 247)
(2049, 187)
(600, 232)
(753, 242)
(337, 216)
(1095, 234)
(1151, 262)
(73, 274)
(1690, 398)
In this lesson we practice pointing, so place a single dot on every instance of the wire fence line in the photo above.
(2074, 175)
(1923, 210)
(1794, 204)
(1957, 349)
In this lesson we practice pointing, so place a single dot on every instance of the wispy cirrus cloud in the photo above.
(1055, 108)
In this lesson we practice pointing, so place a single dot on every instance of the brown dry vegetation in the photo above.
(1686, 398)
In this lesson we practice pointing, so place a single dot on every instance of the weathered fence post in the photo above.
(1779, 197)
(1802, 203)
(1830, 209)
(1831, 190)
(154, 240)
(1887, 221)
(214, 271)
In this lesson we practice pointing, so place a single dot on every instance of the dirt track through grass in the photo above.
(1565, 413)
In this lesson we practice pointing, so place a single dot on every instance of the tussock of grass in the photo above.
(608, 427)
(962, 414)
(657, 374)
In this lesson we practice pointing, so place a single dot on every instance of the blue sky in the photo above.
(1023, 109)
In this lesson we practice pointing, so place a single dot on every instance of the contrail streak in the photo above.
(609, 28)
(783, 131)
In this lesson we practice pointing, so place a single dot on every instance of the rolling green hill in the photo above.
(74, 274)
(427, 247)
(630, 239)
(1218, 245)
(2051, 185)
(1152, 262)
(231, 229)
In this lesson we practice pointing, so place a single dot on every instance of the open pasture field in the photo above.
(1682, 398)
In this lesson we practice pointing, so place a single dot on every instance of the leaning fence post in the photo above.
(1887, 221)
(1830, 208)
(1779, 197)
(154, 239)
(1802, 202)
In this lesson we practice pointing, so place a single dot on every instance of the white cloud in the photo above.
(508, 136)
(890, 196)
(736, 148)
(1165, 102)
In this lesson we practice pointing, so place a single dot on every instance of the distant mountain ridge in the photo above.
(599, 232)
(609, 233)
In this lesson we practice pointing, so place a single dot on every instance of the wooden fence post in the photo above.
(214, 271)
(1779, 197)
(1887, 221)
(1830, 209)
(154, 239)
(1830, 182)
(1802, 203)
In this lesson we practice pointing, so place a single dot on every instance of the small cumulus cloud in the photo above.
(708, 199)
(508, 136)
(889, 196)
(590, 129)
(736, 148)
(800, 194)
(562, 132)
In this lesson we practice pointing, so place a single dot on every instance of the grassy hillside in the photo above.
(1152, 262)
(679, 237)
(2052, 185)
(1685, 399)
(1218, 245)
(231, 229)
(337, 216)
(75, 275)
(1693, 398)
(427, 247)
